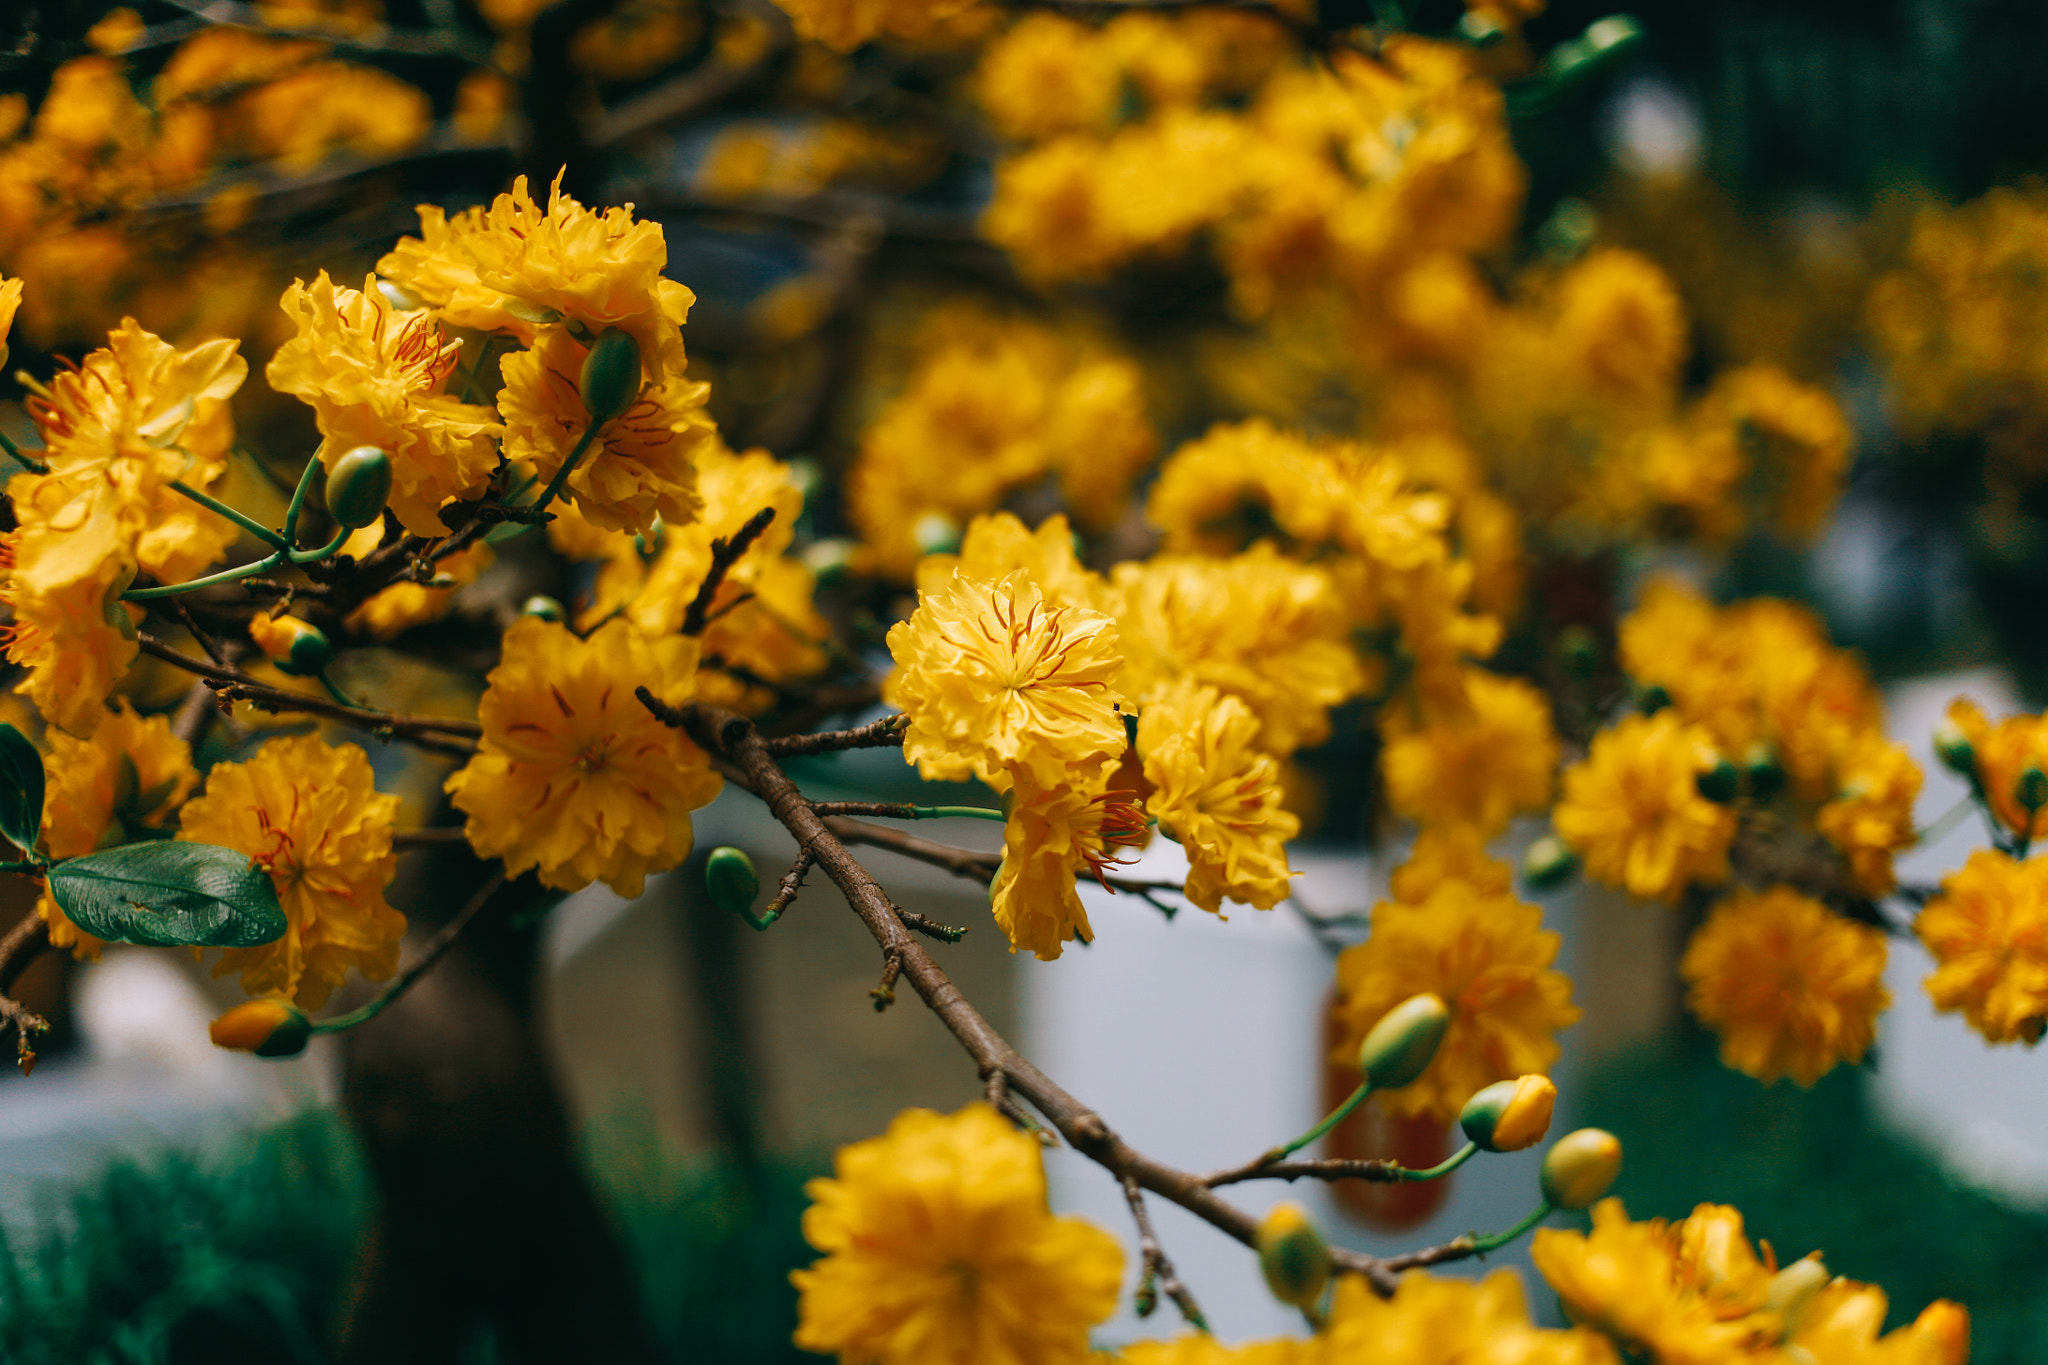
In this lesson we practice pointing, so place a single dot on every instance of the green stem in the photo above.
(291, 513)
(1442, 1168)
(340, 696)
(26, 869)
(568, 467)
(955, 813)
(264, 565)
(249, 524)
(331, 547)
(1949, 819)
(32, 466)
(1482, 1245)
(1336, 1116)
(439, 945)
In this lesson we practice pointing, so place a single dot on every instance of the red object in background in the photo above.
(1370, 1132)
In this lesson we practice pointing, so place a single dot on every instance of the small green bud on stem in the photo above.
(1580, 1167)
(1720, 783)
(1955, 751)
(268, 1028)
(731, 881)
(1292, 1255)
(1548, 864)
(1510, 1115)
(358, 487)
(1402, 1044)
(611, 376)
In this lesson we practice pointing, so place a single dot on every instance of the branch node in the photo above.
(884, 995)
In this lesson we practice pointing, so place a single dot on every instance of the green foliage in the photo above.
(164, 894)
(21, 789)
(1814, 1170)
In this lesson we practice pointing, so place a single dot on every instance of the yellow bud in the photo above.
(296, 647)
(1580, 1167)
(611, 376)
(1401, 1045)
(1955, 751)
(1548, 864)
(1792, 1290)
(546, 608)
(268, 1028)
(935, 534)
(1292, 1255)
(1510, 1115)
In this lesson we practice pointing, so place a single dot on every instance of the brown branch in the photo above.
(690, 93)
(884, 810)
(734, 737)
(792, 882)
(235, 685)
(961, 862)
(435, 836)
(177, 608)
(23, 944)
(725, 552)
(1157, 1270)
(886, 733)
(931, 928)
(1377, 1170)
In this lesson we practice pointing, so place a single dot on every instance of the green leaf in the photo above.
(21, 789)
(167, 894)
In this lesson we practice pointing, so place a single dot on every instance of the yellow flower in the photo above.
(1258, 626)
(1055, 830)
(1199, 1348)
(641, 464)
(993, 679)
(64, 582)
(1488, 957)
(845, 24)
(10, 300)
(392, 611)
(1791, 987)
(1445, 853)
(305, 115)
(512, 267)
(1052, 212)
(1431, 1321)
(1871, 816)
(2004, 751)
(1620, 322)
(573, 775)
(939, 1250)
(1479, 767)
(1101, 438)
(1795, 439)
(1689, 1294)
(374, 375)
(1633, 809)
(310, 814)
(1048, 75)
(1217, 795)
(1988, 931)
(130, 776)
(997, 544)
(1841, 1326)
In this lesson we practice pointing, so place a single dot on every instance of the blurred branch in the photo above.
(1157, 1270)
(689, 93)
(409, 42)
(23, 944)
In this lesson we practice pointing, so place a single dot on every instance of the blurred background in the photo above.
(1813, 176)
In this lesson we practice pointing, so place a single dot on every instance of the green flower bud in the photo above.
(1548, 864)
(2032, 788)
(358, 486)
(268, 1028)
(1578, 652)
(1510, 1115)
(1401, 1045)
(296, 647)
(1955, 751)
(1761, 770)
(1721, 783)
(1292, 1255)
(935, 534)
(546, 608)
(611, 376)
(828, 559)
(1580, 1167)
(1651, 698)
(730, 879)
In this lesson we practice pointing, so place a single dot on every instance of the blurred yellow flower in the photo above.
(573, 776)
(1479, 766)
(1075, 824)
(642, 463)
(1445, 853)
(309, 814)
(2004, 751)
(1049, 75)
(939, 1250)
(995, 681)
(1217, 795)
(1488, 957)
(845, 24)
(131, 776)
(1988, 932)
(1791, 987)
(995, 545)
(1634, 812)
(392, 611)
(1431, 1321)
(376, 375)
(1871, 817)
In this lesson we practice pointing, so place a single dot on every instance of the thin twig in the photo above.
(1157, 1270)
(961, 862)
(440, 943)
(931, 928)
(1379, 1171)
(886, 733)
(177, 608)
(435, 836)
(881, 810)
(792, 882)
(23, 944)
(725, 552)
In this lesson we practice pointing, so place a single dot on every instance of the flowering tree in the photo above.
(1419, 486)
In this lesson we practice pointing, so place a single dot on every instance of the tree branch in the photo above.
(1157, 1270)
(726, 551)
(23, 944)
(886, 733)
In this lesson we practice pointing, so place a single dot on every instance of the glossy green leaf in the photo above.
(164, 894)
(21, 789)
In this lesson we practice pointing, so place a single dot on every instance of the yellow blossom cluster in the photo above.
(993, 405)
(1695, 1291)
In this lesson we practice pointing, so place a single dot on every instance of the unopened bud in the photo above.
(1721, 783)
(611, 376)
(296, 647)
(546, 608)
(1292, 1255)
(1549, 863)
(1578, 651)
(935, 534)
(1955, 751)
(730, 879)
(1510, 1115)
(1650, 698)
(1761, 770)
(1580, 1167)
(2032, 788)
(1401, 1045)
(828, 559)
(358, 486)
(268, 1028)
